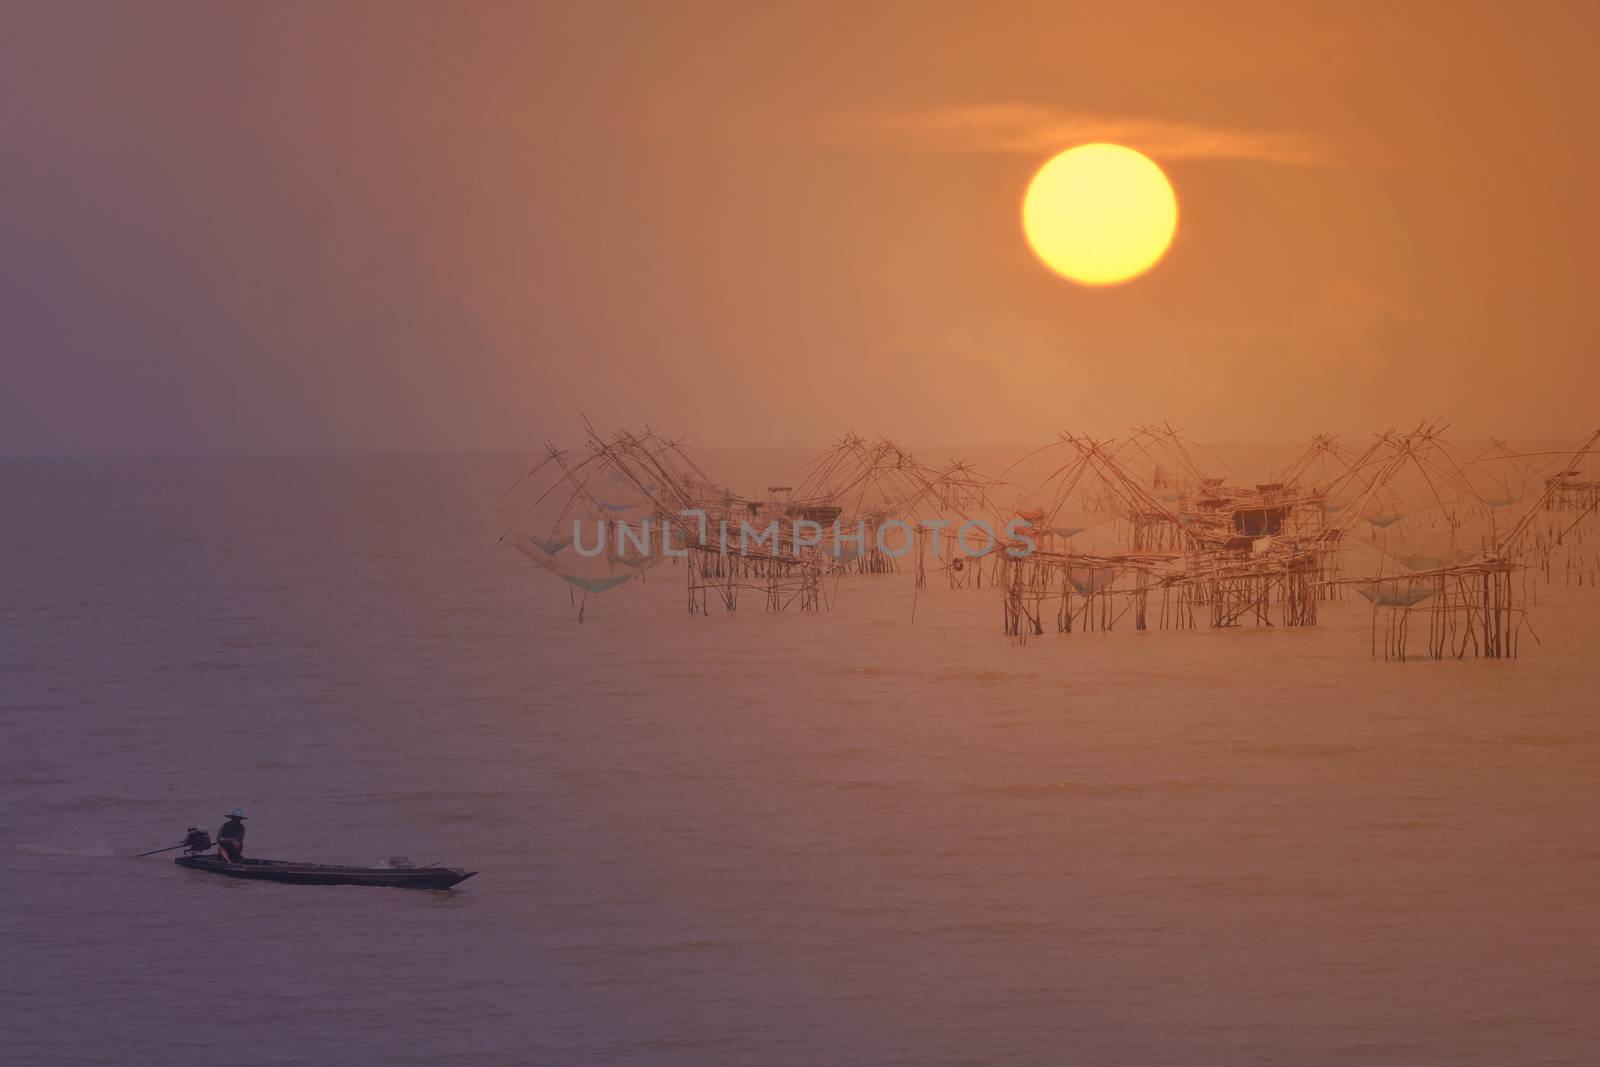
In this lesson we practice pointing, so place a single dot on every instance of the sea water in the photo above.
(882, 834)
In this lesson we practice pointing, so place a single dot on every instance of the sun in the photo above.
(1100, 214)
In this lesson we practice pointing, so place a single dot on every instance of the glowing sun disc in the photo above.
(1100, 214)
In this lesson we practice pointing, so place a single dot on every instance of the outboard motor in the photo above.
(196, 840)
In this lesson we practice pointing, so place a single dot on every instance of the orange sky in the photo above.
(421, 227)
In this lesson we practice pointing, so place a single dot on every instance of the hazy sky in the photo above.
(338, 226)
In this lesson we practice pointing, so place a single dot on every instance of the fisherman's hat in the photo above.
(236, 813)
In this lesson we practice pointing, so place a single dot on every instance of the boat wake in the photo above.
(106, 852)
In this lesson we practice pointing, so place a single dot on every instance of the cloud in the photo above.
(1346, 355)
(1032, 129)
(1347, 316)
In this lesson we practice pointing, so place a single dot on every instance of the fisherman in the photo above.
(230, 837)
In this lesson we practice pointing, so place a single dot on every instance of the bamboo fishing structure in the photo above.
(1090, 535)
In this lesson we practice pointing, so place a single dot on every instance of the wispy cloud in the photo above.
(1034, 129)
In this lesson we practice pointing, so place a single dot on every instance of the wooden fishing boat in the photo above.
(397, 877)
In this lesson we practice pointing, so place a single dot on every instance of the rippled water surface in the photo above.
(844, 838)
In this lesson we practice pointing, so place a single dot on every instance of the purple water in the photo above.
(842, 838)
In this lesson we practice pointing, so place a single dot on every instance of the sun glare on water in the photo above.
(1100, 214)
